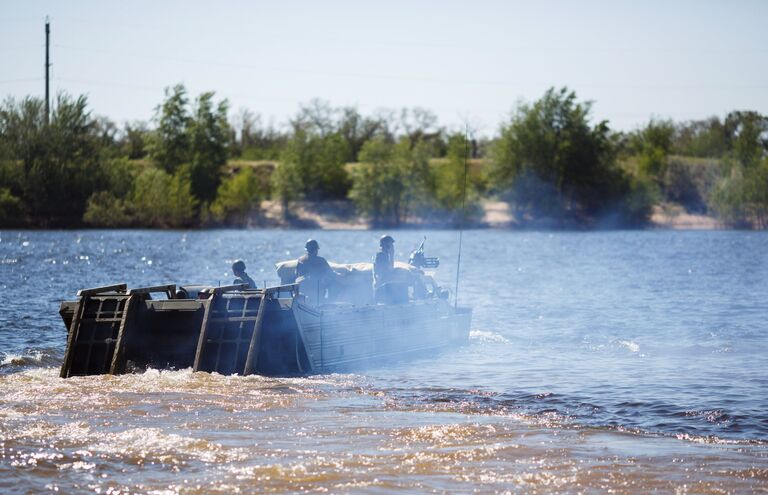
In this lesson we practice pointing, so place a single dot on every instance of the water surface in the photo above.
(624, 361)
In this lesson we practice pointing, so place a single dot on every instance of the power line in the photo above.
(23, 79)
(434, 80)
(109, 83)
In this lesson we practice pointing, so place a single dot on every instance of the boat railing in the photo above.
(167, 289)
(277, 290)
(118, 288)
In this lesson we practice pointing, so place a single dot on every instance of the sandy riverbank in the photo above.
(341, 215)
(675, 217)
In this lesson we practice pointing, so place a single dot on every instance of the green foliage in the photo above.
(356, 130)
(163, 200)
(135, 140)
(392, 180)
(638, 196)
(104, 209)
(450, 181)
(741, 198)
(112, 207)
(169, 144)
(60, 161)
(200, 139)
(257, 141)
(548, 159)
(378, 185)
(654, 143)
(727, 198)
(157, 199)
(688, 181)
(237, 196)
(11, 208)
(701, 138)
(209, 135)
(746, 131)
(756, 194)
(550, 162)
(312, 167)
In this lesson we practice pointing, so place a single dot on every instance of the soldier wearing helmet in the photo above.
(383, 267)
(238, 268)
(313, 271)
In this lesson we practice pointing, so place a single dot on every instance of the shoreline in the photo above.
(340, 215)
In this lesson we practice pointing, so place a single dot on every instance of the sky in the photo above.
(468, 62)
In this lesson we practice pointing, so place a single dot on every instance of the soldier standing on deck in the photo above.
(384, 269)
(314, 271)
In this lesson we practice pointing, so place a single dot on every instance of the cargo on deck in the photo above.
(268, 331)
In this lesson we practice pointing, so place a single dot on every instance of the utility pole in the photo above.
(47, 67)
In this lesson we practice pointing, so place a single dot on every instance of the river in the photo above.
(626, 361)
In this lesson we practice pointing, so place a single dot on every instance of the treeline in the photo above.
(195, 165)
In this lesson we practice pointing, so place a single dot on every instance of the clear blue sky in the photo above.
(463, 60)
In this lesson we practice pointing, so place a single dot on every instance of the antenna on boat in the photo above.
(463, 214)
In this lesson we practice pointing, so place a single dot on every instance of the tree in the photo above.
(169, 146)
(552, 163)
(356, 130)
(391, 181)
(134, 140)
(748, 135)
(653, 144)
(452, 189)
(209, 137)
(740, 198)
(312, 167)
(60, 162)
(418, 125)
(315, 118)
(701, 138)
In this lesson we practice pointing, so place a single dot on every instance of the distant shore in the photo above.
(496, 215)
(340, 215)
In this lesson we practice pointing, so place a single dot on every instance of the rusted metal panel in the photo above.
(93, 332)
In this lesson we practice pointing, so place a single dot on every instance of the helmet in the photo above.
(385, 240)
(312, 245)
(238, 266)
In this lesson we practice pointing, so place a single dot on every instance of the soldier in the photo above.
(314, 271)
(384, 269)
(238, 268)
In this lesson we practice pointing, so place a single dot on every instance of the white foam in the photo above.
(631, 346)
(487, 336)
(34, 357)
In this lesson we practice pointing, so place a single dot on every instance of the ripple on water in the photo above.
(586, 371)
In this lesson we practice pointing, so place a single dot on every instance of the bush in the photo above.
(104, 209)
(688, 182)
(237, 196)
(392, 181)
(11, 209)
(312, 167)
(163, 200)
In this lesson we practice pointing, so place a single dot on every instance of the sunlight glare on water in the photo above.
(619, 361)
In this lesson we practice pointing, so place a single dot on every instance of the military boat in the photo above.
(275, 331)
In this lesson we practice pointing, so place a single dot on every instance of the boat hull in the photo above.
(265, 331)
